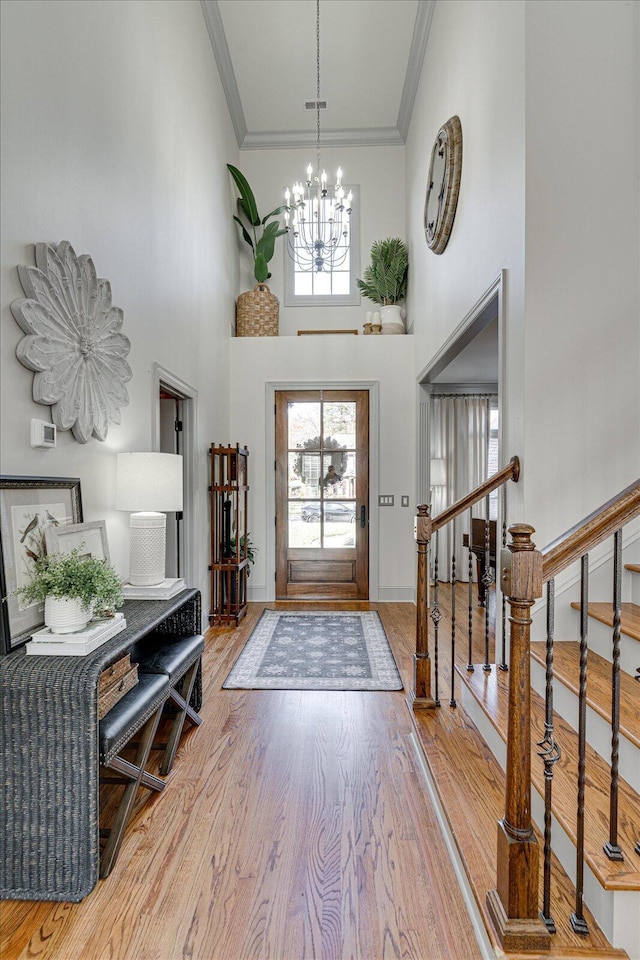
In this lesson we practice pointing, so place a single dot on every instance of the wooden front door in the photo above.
(322, 494)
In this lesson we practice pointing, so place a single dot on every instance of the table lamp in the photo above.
(437, 473)
(147, 483)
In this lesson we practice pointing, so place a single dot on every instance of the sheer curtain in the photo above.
(460, 427)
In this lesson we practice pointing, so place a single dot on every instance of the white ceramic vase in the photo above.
(392, 321)
(66, 614)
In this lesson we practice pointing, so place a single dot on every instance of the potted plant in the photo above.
(73, 588)
(385, 281)
(257, 309)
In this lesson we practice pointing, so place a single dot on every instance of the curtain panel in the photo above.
(459, 435)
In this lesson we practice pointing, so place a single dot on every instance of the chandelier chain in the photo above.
(317, 224)
(318, 85)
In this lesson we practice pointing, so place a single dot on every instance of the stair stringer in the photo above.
(616, 911)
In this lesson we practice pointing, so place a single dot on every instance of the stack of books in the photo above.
(159, 591)
(79, 644)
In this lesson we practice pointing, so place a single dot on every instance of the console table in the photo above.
(49, 763)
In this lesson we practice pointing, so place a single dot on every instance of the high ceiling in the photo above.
(371, 54)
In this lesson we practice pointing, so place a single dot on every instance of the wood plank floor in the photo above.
(294, 825)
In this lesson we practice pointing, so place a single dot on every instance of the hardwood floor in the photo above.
(295, 826)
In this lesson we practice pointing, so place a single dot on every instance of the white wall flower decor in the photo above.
(73, 341)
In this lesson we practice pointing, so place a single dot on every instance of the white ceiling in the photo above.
(371, 55)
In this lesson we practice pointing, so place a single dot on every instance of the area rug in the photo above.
(316, 651)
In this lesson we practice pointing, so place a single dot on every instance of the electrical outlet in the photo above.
(404, 500)
(385, 500)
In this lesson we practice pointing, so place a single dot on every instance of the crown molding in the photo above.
(272, 140)
(277, 140)
(421, 30)
(215, 29)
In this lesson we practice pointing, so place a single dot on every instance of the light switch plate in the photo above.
(385, 500)
(404, 500)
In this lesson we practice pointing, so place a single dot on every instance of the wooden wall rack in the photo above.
(229, 559)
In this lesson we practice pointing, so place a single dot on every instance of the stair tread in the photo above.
(629, 621)
(491, 691)
(566, 669)
(462, 766)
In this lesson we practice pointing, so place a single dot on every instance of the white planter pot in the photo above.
(66, 614)
(392, 321)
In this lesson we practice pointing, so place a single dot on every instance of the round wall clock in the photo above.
(443, 185)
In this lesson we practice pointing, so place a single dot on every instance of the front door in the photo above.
(322, 495)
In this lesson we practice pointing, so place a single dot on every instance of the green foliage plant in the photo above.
(385, 279)
(72, 575)
(257, 231)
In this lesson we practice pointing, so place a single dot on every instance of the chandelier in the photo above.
(318, 225)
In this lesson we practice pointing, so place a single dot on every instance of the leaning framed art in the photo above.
(29, 506)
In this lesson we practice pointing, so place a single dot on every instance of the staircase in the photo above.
(583, 803)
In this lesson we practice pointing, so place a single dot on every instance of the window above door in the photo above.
(306, 288)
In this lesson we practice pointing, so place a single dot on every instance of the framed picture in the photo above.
(90, 538)
(29, 506)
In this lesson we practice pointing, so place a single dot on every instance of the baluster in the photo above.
(550, 753)
(503, 659)
(470, 601)
(436, 617)
(452, 699)
(612, 848)
(487, 580)
(578, 922)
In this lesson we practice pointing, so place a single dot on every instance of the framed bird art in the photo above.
(30, 508)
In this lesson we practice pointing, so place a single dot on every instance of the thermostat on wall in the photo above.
(43, 434)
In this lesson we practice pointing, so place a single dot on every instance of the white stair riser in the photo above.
(600, 640)
(598, 730)
(616, 911)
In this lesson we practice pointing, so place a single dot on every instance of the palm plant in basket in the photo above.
(258, 309)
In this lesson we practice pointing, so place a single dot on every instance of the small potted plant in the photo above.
(385, 281)
(74, 588)
(257, 309)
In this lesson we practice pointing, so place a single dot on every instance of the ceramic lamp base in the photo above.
(147, 532)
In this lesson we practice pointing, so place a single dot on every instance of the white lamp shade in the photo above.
(437, 473)
(149, 482)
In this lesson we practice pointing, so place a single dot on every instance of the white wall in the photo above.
(582, 349)
(473, 68)
(115, 135)
(379, 172)
(388, 361)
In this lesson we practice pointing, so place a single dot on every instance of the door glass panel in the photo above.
(338, 475)
(304, 426)
(339, 524)
(305, 477)
(340, 422)
(304, 524)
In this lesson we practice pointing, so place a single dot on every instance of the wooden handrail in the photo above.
(595, 528)
(510, 472)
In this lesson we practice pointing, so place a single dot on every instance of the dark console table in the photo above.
(49, 838)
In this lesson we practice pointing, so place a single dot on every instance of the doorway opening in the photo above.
(174, 431)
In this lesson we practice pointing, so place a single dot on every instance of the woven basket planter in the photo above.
(257, 313)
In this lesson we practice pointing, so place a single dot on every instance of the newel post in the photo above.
(513, 906)
(420, 697)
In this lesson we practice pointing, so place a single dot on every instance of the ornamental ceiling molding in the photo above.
(73, 341)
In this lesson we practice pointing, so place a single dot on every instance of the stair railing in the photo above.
(513, 905)
(422, 697)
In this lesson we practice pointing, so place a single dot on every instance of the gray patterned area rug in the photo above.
(316, 651)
